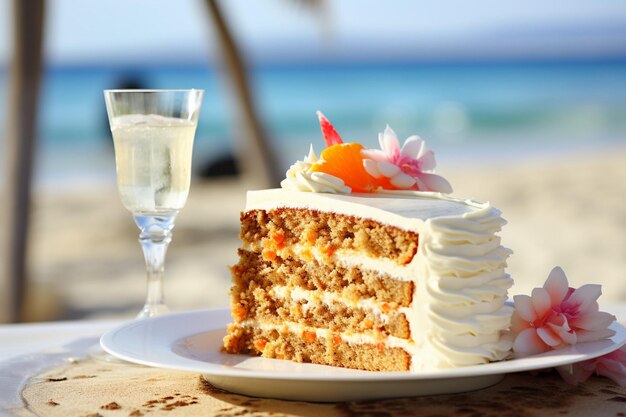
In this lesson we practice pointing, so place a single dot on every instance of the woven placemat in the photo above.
(93, 388)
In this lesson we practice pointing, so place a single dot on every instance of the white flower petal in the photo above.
(586, 297)
(434, 182)
(422, 150)
(412, 147)
(402, 180)
(593, 336)
(549, 337)
(528, 343)
(564, 333)
(420, 185)
(613, 366)
(388, 169)
(556, 285)
(371, 167)
(524, 307)
(575, 374)
(389, 143)
(593, 321)
(375, 154)
(517, 323)
(426, 160)
(541, 301)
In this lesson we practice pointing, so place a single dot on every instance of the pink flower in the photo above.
(556, 316)
(611, 365)
(408, 167)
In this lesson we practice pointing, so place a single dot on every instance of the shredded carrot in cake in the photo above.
(309, 337)
(239, 313)
(260, 344)
(309, 236)
(269, 255)
(278, 237)
(387, 307)
(379, 332)
(328, 250)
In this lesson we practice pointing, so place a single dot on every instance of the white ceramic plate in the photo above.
(191, 341)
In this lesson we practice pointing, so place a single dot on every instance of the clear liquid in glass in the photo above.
(153, 160)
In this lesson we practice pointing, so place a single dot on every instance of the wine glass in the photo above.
(153, 133)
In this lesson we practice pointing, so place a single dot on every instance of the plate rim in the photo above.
(204, 320)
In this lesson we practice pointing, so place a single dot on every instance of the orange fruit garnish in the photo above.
(344, 161)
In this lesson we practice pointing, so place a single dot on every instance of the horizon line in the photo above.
(357, 61)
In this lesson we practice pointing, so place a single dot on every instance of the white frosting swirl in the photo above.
(465, 288)
(299, 177)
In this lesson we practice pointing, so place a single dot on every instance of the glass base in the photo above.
(152, 310)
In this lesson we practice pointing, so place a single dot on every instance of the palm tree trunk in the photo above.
(254, 156)
(28, 18)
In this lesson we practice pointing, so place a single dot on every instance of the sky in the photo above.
(122, 30)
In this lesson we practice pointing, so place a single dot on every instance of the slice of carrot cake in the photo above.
(393, 277)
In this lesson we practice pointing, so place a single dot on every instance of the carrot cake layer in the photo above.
(306, 346)
(351, 282)
(286, 230)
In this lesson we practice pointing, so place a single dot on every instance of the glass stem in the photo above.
(155, 236)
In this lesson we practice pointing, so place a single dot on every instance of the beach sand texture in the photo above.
(92, 388)
(85, 260)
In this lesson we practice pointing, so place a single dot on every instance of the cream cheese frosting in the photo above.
(459, 314)
(299, 177)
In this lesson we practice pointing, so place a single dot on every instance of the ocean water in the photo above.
(478, 110)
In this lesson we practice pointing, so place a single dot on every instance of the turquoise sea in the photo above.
(463, 110)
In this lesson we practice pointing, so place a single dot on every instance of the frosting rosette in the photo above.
(300, 178)
(350, 167)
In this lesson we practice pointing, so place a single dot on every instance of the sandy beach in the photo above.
(85, 260)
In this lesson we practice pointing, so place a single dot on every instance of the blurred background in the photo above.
(524, 104)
